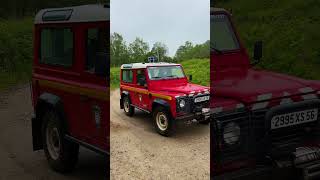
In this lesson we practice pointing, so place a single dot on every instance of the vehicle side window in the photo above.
(127, 76)
(56, 46)
(141, 78)
(97, 45)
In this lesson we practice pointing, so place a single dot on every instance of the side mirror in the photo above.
(190, 77)
(102, 67)
(257, 54)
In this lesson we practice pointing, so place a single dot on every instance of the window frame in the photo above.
(127, 82)
(86, 32)
(73, 46)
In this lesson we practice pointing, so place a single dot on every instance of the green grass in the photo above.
(289, 30)
(199, 68)
(15, 51)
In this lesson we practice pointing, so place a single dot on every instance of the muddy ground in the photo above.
(18, 161)
(138, 152)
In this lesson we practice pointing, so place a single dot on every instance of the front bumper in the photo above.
(305, 171)
(204, 115)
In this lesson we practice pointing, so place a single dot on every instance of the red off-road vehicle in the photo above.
(163, 90)
(70, 89)
(264, 124)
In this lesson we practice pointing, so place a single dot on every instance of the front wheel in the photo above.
(61, 154)
(163, 122)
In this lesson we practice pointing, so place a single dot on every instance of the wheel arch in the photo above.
(45, 102)
(160, 102)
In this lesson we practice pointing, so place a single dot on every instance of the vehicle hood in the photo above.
(184, 89)
(254, 85)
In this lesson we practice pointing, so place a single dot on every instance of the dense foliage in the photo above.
(139, 51)
(289, 30)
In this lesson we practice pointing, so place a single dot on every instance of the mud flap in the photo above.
(121, 103)
(36, 135)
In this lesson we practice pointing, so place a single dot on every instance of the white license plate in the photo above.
(201, 99)
(294, 118)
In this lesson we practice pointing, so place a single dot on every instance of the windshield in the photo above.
(222, 36)
(165, 72)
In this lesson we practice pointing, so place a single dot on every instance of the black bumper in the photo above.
(197, 116)
(306, 171)
(36, 134)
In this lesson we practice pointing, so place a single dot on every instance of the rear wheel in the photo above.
(61, 154)
(128, 109)
(163, 122)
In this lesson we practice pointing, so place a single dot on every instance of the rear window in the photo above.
(56, 46)
(127, 76)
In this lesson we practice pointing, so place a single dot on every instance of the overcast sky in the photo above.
(169, 21)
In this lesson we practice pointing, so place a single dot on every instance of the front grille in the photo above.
(223, 151)
(257, 139)
(278, 142)
(191, 106)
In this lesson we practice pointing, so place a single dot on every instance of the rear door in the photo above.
(95, 100)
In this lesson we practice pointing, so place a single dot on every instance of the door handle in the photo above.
(84, 98)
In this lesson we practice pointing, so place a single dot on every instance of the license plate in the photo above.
(294, 118)
(201, 99)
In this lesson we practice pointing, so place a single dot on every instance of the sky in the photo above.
(172, 22)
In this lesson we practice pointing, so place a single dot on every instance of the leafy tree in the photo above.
(118, 50)
(160, 50)
(138, 50)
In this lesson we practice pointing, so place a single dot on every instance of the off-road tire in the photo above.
(168, 128)
(66, 157)
(127, 108)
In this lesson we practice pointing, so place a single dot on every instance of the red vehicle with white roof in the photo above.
(264, 124)
(163, 90)
(70, 86)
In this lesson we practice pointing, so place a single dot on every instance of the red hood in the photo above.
(179, 87)
(186, 89)
(247, 85)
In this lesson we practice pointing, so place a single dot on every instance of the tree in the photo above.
(160, 50)
(138, 50)
(118, 50)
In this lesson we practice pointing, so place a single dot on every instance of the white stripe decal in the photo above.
(239, 106)
(309, 96)
(264, 97)
(216, 110)
(287, 100)
(261, 105)
(306, 90)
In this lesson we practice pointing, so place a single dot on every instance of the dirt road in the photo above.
(138, 152)
(18, 161)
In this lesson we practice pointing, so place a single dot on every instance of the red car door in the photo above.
(95, 104)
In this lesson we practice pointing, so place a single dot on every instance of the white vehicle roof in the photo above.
(145, 65)
(84, 13)
(217, 9)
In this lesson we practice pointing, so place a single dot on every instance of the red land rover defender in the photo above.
(264, 123)
(70, 89)
(163, 90)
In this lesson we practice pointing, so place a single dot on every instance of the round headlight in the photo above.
(182, 103)
(231, 133)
